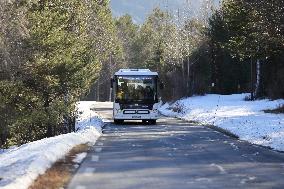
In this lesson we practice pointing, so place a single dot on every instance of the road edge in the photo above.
(227, 133)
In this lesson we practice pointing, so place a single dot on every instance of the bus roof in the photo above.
(126, 72)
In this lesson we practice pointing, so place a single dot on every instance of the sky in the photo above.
(139, 9)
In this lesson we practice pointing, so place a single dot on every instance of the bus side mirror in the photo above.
(111, 82)
(162, 86)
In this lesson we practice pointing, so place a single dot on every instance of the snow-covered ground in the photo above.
(20, 166)
(245, 119)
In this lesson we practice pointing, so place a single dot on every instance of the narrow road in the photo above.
(174, 155)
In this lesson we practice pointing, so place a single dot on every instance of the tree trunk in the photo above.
(188, 78)
(251, 79)
(258, 74)
(110, 76)
(98, 90)
(110, 94)
(184, 79)
(46, 106)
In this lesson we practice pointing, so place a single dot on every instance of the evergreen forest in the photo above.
(54, 53)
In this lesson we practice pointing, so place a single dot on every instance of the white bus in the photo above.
(135, 93)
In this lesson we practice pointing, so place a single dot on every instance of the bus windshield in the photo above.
(136, 88)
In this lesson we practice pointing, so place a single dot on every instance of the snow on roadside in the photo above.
(20, 166)
(245, 119)
(80, 157)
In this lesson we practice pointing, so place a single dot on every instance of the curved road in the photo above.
(174, 155)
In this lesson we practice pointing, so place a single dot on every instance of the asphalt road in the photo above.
(174, 155)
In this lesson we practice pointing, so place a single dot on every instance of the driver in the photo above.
(149, 92)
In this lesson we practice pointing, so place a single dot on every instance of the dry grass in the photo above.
(59, 175)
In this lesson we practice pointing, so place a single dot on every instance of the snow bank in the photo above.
(20, 166)
(245, 119)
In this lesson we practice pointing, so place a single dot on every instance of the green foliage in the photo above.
(152, 40)
(230, 74)
(65, 44)
(127, 33)
(17, 105)
(108, 48)
(245, 31)
(61, 48)
(254, 27)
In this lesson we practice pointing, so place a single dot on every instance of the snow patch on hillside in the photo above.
(245, 119)
(20, 166)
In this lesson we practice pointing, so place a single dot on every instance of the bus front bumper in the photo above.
(135, 115)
